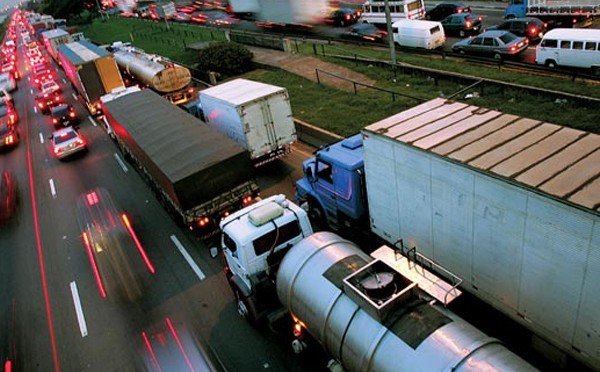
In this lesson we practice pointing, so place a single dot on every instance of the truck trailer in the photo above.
(257, 116)
(197, 173)
(557, 13)
(510, 204)
(277, 12)
(53, 39)
(91, 70)
(381, 312)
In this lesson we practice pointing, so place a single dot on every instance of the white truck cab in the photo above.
(254, 241)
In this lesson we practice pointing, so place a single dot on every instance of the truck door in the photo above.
(325, 186)
(232, 256)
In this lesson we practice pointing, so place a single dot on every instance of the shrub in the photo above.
(226, 58)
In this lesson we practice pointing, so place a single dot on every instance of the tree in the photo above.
(226, 58)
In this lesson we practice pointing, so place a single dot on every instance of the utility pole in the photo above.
(388, 21)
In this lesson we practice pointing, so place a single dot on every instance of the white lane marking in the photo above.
(188, 258)
(64, 81)
(121, 163)
(52, 188)
(92, 121)
(35, 109)
(31, 91)
(74, 95)
(78, 309)
(41, 138)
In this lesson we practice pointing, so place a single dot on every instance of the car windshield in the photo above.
(64, 137)
(61, 110)
(508, 37)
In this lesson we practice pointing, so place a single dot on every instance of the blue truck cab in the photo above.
(333, 186)
(516, 9)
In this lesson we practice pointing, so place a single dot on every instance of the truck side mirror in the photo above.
(214, 252)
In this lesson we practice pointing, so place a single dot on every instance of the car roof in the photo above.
(493, 33)
(60, 131)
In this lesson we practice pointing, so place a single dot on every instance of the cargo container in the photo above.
(53, 39)
(258, 116)
(558, 13)
(197, 173)
(91, 70)
(288, 12)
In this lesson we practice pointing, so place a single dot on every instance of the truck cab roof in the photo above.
(347, 153)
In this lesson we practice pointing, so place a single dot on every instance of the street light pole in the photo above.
(388, 21)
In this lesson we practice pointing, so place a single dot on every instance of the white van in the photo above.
(570, 47)
(418, 33)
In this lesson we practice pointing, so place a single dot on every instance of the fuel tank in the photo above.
(322, 282)
(153, 71)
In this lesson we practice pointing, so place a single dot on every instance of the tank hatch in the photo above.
(378, 289)
(411, 265)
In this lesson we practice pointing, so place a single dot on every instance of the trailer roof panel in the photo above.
(168, 134)
(241, 91)
(54, 33)
(558, 161)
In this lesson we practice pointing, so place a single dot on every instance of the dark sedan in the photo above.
(463, 24)
(499, 44)
(529, 27)
(342, 17)
(443, 10)
(364, 32)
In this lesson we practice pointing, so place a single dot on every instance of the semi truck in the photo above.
(53, 39)
(508, 203)
(256, 115)
(91, 70)
(378, 312)
(197, 173)
(556, 13)
(276, 12)
(172, 81)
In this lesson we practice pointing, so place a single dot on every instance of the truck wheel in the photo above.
(498, 56)
(550, 63)
(317, 215)
(245, 307)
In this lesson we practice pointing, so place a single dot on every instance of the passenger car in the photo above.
(443, 10)
(46, 101)
(111, 244)
(7, 113)
(63, 114)
(8, 195)
(9, 136)
(50, 86)
(498, 44)
(364, 32)
(462, 24)
(7, 82)
(529, 27)
(342, 17)
(67, 141)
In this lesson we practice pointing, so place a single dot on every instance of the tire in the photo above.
(550, 63)
(462, 33)
(317, 216)
(596, 71)
(245, 307)
(497, 56)
(461, 51)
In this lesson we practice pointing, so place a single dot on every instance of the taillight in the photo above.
(57, 150)
(203, 221)
(54, 121)
(13, 118)
(40, 105)
(9, 140)
(348, 17)
(247, 200)
(533, 31)
(297, 330)
(72, 114)
(80, 141)
(98, 105)
(468, 24)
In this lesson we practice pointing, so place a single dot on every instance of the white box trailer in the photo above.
(257, 116)
(509, 204)
(282, 11)
(53, 39)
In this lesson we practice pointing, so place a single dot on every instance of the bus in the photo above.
(373, 11)
(570, 47)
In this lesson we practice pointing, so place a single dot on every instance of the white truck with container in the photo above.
(281, 12)
(509, 204)
(53, 39)
(381, 312)
(256, 115)
(557, 13)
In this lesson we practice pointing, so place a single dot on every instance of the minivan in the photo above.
(418, 33)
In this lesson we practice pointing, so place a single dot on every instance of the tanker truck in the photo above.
(378, 312)
(508, 203)
(165, 77)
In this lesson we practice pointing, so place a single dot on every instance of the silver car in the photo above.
(67, 141)
(496, 43)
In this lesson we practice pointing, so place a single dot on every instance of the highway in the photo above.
(53, 315)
